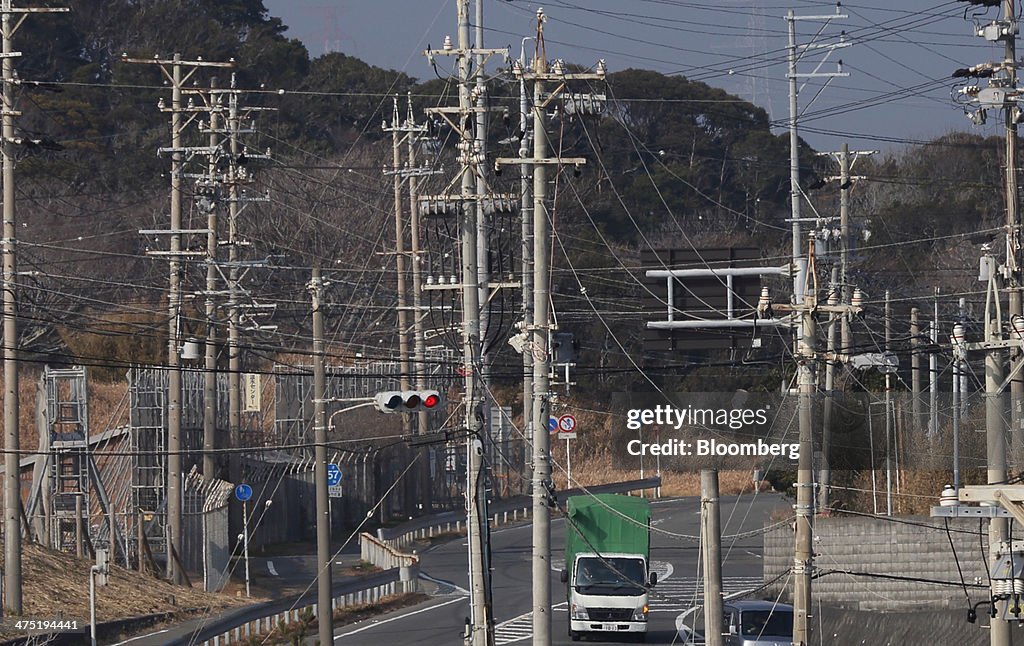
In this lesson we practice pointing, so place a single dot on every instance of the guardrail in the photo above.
(500, 512)
(238, 626)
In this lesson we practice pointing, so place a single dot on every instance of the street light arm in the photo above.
(330, 420)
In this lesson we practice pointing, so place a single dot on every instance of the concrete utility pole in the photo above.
(803, 557)
(526, 273)
(483, 232)
(325, 619)
(12, 602)
(540, 327)
(711, 539)
(234, 358)
(889, 443)
(414, 132)
(1013, 233)
(403, 310)
(465, 207)
(481, 627)
(933, 370)
(210, 345)
(406, 131)
(174, 491)
(995, 434)
(173, 71)
(831, 364)
(915, 365)
(807, 359)
(805, 299)
(796, 52)
(541, 358)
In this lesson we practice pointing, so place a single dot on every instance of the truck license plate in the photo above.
(609, 627)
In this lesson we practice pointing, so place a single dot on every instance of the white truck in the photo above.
(607, 568)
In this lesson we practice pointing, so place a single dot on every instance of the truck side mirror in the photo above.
(564, 576)
(654, 579)
(732, 629)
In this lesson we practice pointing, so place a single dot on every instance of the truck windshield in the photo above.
(610, 576)
(767, 623)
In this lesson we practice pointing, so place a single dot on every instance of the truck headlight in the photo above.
(640, 614)
(579, 612)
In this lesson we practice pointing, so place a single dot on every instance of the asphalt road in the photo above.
(441, 619)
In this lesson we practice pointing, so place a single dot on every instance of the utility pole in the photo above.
(234, 358)
(889, 443)
(805, 306)
(995, 434)
(711, 539)
(915, 365)
(481, 626)
(174, 491)
(12, 601)
(795, 54)
(1001, 94)
(172, 69)
(540, 328)
(933, 370)
(526, 273)
(1013, 233)
(803, 556)
(210, 345)
(541, 357)
(807, 360)
(414, 133)
(403, 310)
(325, 620)
(411, 372)
(466, 207)
(839, 292)
(483, 246)
(831, 364)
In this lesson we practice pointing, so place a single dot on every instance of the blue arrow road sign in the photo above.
(552, 424)
(333, 475)
(243, 492)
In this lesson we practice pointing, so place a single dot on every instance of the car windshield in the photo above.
(610, 576)
(767, 623)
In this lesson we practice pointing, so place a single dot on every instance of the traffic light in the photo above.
(407, 401)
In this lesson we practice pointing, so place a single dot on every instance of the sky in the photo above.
(900, 58)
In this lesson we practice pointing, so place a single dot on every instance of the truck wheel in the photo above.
(575, 636)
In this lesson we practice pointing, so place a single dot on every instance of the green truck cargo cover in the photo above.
(610, 523)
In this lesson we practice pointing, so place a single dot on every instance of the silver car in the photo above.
(757, 623)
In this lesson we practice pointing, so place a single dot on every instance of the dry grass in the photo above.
(57, 584)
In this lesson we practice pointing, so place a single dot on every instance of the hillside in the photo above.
(57, 585)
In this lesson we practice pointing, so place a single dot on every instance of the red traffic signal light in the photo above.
(406, 401)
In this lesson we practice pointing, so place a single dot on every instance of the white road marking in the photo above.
(270, 568)
(159, 632)
(381, 622)
(462, 591)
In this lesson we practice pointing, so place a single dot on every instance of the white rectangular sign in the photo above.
(251, 387)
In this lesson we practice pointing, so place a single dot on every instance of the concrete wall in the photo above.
(884, 547)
